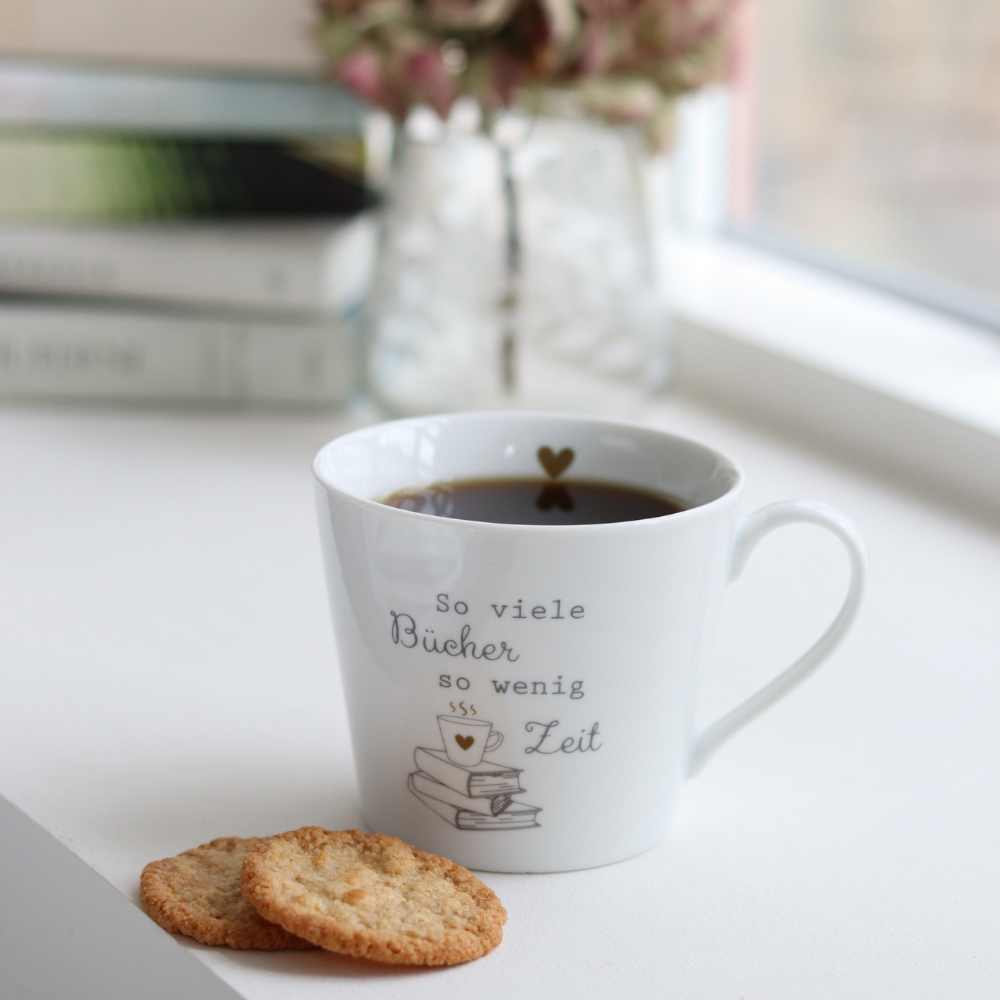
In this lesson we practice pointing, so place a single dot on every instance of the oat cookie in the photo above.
(372, 896)
(197, 893)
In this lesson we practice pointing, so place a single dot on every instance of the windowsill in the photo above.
(170, 678)
(912, 390)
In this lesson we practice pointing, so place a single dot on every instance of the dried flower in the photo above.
(628, 59)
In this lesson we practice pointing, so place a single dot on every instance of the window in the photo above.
(874, 143)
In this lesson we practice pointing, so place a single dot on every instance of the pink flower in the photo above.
(425, 80)
(362, 73)
(641, 53)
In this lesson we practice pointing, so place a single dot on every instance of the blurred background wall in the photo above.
(264, 34)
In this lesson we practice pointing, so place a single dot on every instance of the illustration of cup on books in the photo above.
(464, 786)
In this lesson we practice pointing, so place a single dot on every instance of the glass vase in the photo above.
(519, 269)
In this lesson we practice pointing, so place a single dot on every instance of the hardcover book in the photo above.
(80, 177)
(156, 101)
(65, 351)
(517, 815)
(314, 266)
(488, 806)
(483, 780)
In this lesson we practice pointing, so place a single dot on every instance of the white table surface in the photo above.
(168, 676)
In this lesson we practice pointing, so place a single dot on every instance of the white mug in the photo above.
(580, 643)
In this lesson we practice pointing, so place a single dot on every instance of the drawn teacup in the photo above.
(466, 740)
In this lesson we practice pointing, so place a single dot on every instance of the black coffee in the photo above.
(536, 501)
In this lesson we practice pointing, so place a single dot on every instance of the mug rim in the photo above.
(609, 422)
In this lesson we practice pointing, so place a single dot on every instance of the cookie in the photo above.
(372, 896)
(197, 893)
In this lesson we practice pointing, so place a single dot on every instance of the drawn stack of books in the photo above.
(180, 237)
(471, 796)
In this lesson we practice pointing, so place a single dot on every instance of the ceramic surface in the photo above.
(579, 645)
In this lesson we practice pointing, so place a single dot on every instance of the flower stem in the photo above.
(511, 298)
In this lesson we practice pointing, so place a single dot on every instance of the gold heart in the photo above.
(555, 464)
(464, 741)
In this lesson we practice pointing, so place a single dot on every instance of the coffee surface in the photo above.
(536, 501)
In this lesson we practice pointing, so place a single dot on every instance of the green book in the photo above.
(83, 177)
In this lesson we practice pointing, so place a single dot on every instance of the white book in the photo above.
(319, 266)
(60, 351)
(156, 101)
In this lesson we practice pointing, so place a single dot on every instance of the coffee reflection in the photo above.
(555, 495)
(536, 501)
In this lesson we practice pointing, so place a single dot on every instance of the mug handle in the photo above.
(492, 744)
(749, 531)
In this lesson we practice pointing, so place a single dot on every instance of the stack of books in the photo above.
(173, 237)
(471, 797)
